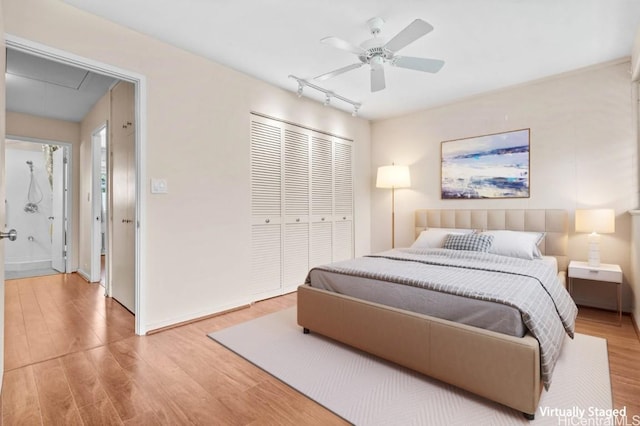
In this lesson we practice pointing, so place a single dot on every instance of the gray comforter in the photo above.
(532, 287)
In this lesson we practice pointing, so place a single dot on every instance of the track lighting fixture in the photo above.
(328, 94)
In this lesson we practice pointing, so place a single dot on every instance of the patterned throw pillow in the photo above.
(470, 242)
(435, 237)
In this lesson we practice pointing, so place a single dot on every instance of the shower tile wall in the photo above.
(32, 249)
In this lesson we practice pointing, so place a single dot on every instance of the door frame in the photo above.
(68, 201)
(140, 83)
(96, 207)
(66, 246)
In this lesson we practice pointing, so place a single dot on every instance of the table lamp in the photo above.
(596, 222)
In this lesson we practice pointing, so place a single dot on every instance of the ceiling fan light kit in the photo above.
(376, 52)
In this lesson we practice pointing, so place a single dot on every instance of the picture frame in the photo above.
(496, 165)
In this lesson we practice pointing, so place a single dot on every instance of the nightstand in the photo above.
(604, 273)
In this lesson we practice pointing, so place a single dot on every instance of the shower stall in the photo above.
(32, 204)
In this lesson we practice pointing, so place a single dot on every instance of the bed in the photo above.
(501, 367)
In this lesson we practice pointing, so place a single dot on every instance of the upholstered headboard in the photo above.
(553, 222)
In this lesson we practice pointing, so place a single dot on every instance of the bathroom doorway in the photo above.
(37, 206)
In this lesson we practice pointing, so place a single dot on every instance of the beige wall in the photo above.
(30, 126)
(97, 117)
(635, 58)
(42, 128)
(197, 236)
(583, 154)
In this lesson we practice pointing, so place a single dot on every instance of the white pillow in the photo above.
(435, 237)
(523, 245)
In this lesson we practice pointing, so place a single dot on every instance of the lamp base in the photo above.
(594, 250)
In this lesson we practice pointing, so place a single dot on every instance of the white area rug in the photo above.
(366, 390)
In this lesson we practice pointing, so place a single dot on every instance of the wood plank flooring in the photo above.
(71, 357)
(624, 354)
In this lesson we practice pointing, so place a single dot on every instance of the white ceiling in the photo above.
(45, 88)
(486, 44)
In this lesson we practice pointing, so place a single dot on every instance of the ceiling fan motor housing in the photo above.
(374, 48)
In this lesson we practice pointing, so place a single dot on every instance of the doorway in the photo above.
(37, 206)
(135, 162)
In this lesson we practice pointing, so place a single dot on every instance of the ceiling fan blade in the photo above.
(339, 71)
(343, 45)
(411, 33)
(377, 79)
(418, 64)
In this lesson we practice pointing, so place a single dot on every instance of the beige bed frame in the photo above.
(501, 368)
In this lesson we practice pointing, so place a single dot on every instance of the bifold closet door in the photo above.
(320, 251)
(266, 207)
(296, 207)
(343, 201)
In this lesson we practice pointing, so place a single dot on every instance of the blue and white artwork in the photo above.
(491, 166)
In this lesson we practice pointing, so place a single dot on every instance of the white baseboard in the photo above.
(238, 303)
(27, 266)
(636, 324)
(84, 275)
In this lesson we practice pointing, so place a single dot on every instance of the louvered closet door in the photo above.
(266, 206)
(296, 207)
(320, 251)
(301, 204)
(343, 200)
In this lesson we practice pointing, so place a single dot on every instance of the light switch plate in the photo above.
(159, 186)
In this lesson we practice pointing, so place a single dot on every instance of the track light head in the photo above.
(328, 94)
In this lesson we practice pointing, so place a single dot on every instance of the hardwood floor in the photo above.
(623, 345)
(71, 357)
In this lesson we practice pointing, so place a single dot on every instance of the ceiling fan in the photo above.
(377, 52)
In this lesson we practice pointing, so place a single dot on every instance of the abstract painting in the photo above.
(489, 166)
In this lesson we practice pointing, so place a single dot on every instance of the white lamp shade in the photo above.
(393, 177)
(600, 221)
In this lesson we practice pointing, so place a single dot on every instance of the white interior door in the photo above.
(123, 232)
(3, 229)
(58, 236)
(98, 140)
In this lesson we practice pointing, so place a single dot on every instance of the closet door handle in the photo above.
(12, 235)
